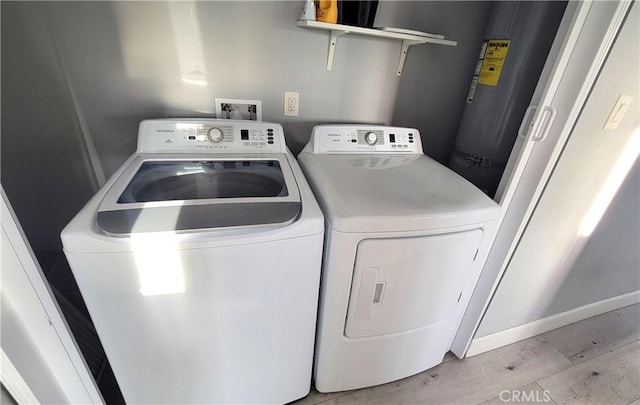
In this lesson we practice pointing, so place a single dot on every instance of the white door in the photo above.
(584, 38)
(401, 284)
(41, 362)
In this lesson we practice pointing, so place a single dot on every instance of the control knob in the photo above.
(371, 138)
(215, 135)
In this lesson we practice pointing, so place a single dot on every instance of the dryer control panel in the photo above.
(210, 136)
(354, 139)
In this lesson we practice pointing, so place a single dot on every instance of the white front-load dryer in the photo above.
(199, 262)
(405, 243)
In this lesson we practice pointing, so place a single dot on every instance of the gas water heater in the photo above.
(517, 42)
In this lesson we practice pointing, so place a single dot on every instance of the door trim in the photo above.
(14, 383)
(74, 378)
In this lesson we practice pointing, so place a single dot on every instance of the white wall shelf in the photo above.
(338, 30)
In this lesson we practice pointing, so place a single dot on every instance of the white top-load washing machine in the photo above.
(199, 262)
(404, 244)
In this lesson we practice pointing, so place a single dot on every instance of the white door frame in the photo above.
(24, 287)
(582, 44)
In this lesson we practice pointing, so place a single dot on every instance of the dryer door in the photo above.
(401, 284)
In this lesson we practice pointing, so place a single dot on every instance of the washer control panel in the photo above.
(210, 135)
(362, 139)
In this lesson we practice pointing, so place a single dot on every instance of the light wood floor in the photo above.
(594, 361)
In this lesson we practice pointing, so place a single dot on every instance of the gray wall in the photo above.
(44, 167)
(609, 265)
(435, 82)
(127, 60)
(77, 77)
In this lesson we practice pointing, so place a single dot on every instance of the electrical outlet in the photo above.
(291, 103)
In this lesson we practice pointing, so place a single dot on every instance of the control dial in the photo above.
(215, 135)
(371, 138)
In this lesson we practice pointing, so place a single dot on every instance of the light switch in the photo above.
(618, 111)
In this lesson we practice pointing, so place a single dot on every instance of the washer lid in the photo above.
(386, 193)
(157, 194)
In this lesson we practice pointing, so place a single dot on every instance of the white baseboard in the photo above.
(521, 332)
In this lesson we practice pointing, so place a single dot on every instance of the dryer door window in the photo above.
(401, 284)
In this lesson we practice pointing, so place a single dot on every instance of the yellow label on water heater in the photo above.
(493, 61)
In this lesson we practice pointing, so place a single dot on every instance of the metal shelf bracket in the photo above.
(403, 53)
(333, 38)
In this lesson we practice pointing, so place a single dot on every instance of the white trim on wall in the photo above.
(521, 332)
(25, 285)
(14, 383)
